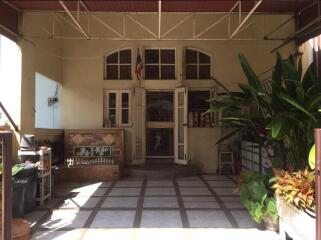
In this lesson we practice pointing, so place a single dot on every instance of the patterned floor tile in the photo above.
(66, 219)
(166, 191)
(125, 192)
(160, 202)
(197, 191)
(244, 219)
(208, 219)
(225, 191)
(160, 183)
(120, 202)
(79, 202)
(215, 177)
(161, 219)
(221, 183)
(114, 219)
(129, 184)
(185, 183)
(34, 216)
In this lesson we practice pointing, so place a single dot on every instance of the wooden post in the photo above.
(6, 138)
(318, 182)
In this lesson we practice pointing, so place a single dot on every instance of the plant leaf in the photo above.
(312, 157)
(227, 136)
(250, 74)
(294, 103)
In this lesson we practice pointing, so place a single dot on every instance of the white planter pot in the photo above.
(297, 224)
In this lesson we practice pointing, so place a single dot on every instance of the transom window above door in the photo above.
(118, 65)
(198, 65)
(159, 64)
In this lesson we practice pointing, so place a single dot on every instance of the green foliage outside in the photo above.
(257, 197)
(283, 115)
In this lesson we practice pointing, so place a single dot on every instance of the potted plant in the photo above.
(257, 197)
(287, 108)
(4, 125)
(296, 204)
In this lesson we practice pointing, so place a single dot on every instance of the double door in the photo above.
(163, 132)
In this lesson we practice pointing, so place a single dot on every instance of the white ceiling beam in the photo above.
(246, 26)
(106, 25)
(245, 19)
(78, 10)
(155, 39)
(74, 19)
(101, 21)
(64, 20)
(211, 26)
(240, 12)
(218, 21)
(11, 5)
(177, 25)
(238, 3)
(142, 26)
(159, 18)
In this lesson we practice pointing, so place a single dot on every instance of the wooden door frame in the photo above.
(160, 124)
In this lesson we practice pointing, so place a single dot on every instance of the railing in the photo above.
(318, 181)
(75, 161)
(6, 142)
(4, 110)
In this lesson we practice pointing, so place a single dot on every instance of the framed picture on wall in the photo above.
(83, 151)
(101, 151)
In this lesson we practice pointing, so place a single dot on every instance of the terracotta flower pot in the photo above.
(4, 128)
(277, 172)
(269, 224)
(20, 229)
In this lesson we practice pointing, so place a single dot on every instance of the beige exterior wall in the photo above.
(38, 55)
(307, 53)
(79, 65)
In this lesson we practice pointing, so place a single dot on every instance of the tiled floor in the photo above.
(183, 208)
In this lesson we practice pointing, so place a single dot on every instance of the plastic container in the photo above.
(29, 176)
(18, 198)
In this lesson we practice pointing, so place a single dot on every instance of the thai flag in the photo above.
(139, 66)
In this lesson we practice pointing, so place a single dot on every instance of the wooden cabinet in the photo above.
(94, 165)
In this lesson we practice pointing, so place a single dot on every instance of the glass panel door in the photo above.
(159, 124)
(181, 125)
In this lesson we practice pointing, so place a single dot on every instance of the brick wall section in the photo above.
(95, 137)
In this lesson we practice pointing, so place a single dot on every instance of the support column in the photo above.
(318, 182)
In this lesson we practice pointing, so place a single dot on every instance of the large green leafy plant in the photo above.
(283, 114)
(256, 196)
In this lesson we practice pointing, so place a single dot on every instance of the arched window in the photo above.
(118, 65)
(198, 64)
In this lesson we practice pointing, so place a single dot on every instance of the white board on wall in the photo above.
(47, 116)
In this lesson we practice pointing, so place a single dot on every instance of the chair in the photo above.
(226, 158)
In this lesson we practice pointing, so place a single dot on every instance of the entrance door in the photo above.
(138, 128)
(160, 126)
(181, 96)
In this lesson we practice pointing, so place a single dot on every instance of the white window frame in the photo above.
(118, 64)
(197, 64)
(159, 64)
(119, 107)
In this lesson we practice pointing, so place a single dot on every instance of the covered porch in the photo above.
(118, 90)
(184, 208)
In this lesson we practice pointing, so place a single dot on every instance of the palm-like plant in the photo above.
(288, 111)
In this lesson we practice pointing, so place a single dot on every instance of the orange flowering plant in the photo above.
(297, 189)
